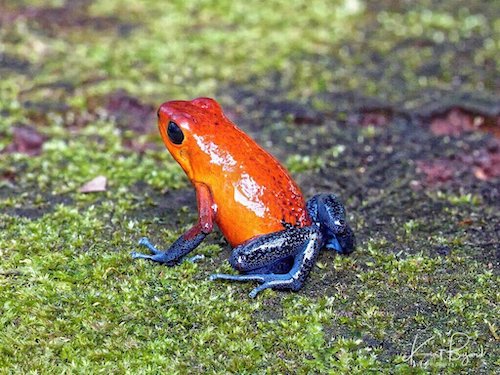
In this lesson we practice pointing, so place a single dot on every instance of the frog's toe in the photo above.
(196, 258)
(136, 255)
(274, 281)
(145, 242)
(160, 257)
(277, 282)
(224, 276)
(259, 289)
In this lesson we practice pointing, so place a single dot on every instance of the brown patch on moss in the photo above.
(130, 113)
(173, 208)
(456, 121)
(36, 203)
(73, 14)
(8, 175)
(436, 171)
(377, 117)
(40, 101)
(27, 140)
(483, 163)
(266, 107)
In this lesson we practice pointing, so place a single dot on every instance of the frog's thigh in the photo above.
(270, 253)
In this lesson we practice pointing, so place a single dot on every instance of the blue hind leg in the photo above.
(327, 212)
(275, 249)
(279, 267)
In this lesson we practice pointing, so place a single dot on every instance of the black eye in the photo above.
(175, 133)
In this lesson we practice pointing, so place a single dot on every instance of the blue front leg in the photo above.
(259, 253)
(182, 246)
(189, 240)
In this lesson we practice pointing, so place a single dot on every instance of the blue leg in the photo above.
(182, 246)
(328, 213)
(145, 242)
(279, 267)
(301, 243)
(189, 240)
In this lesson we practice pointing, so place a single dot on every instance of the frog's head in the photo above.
(185, 127)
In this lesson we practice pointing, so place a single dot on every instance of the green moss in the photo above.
(298, 163)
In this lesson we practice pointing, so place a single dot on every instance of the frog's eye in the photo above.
(175, 133)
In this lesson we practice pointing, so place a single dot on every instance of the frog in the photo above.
(275, 234)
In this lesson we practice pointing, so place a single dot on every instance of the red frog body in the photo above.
(257, 206)
(247, 184)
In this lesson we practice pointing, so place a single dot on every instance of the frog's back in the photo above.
(253, 192)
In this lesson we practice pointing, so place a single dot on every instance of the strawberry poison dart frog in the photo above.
(260, 210)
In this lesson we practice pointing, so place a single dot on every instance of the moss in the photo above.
(420, 293)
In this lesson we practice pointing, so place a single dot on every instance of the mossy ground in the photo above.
(419, 295)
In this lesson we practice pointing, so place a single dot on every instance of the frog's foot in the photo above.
(269, 280)
(328, 213)
(346, 241)
(182, 246)
(157, 255)
(302, 243)
(343, 243)
(162, 257)
(145, 242)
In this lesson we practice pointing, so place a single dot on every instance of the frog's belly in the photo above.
(241, 222)
(239, 226)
